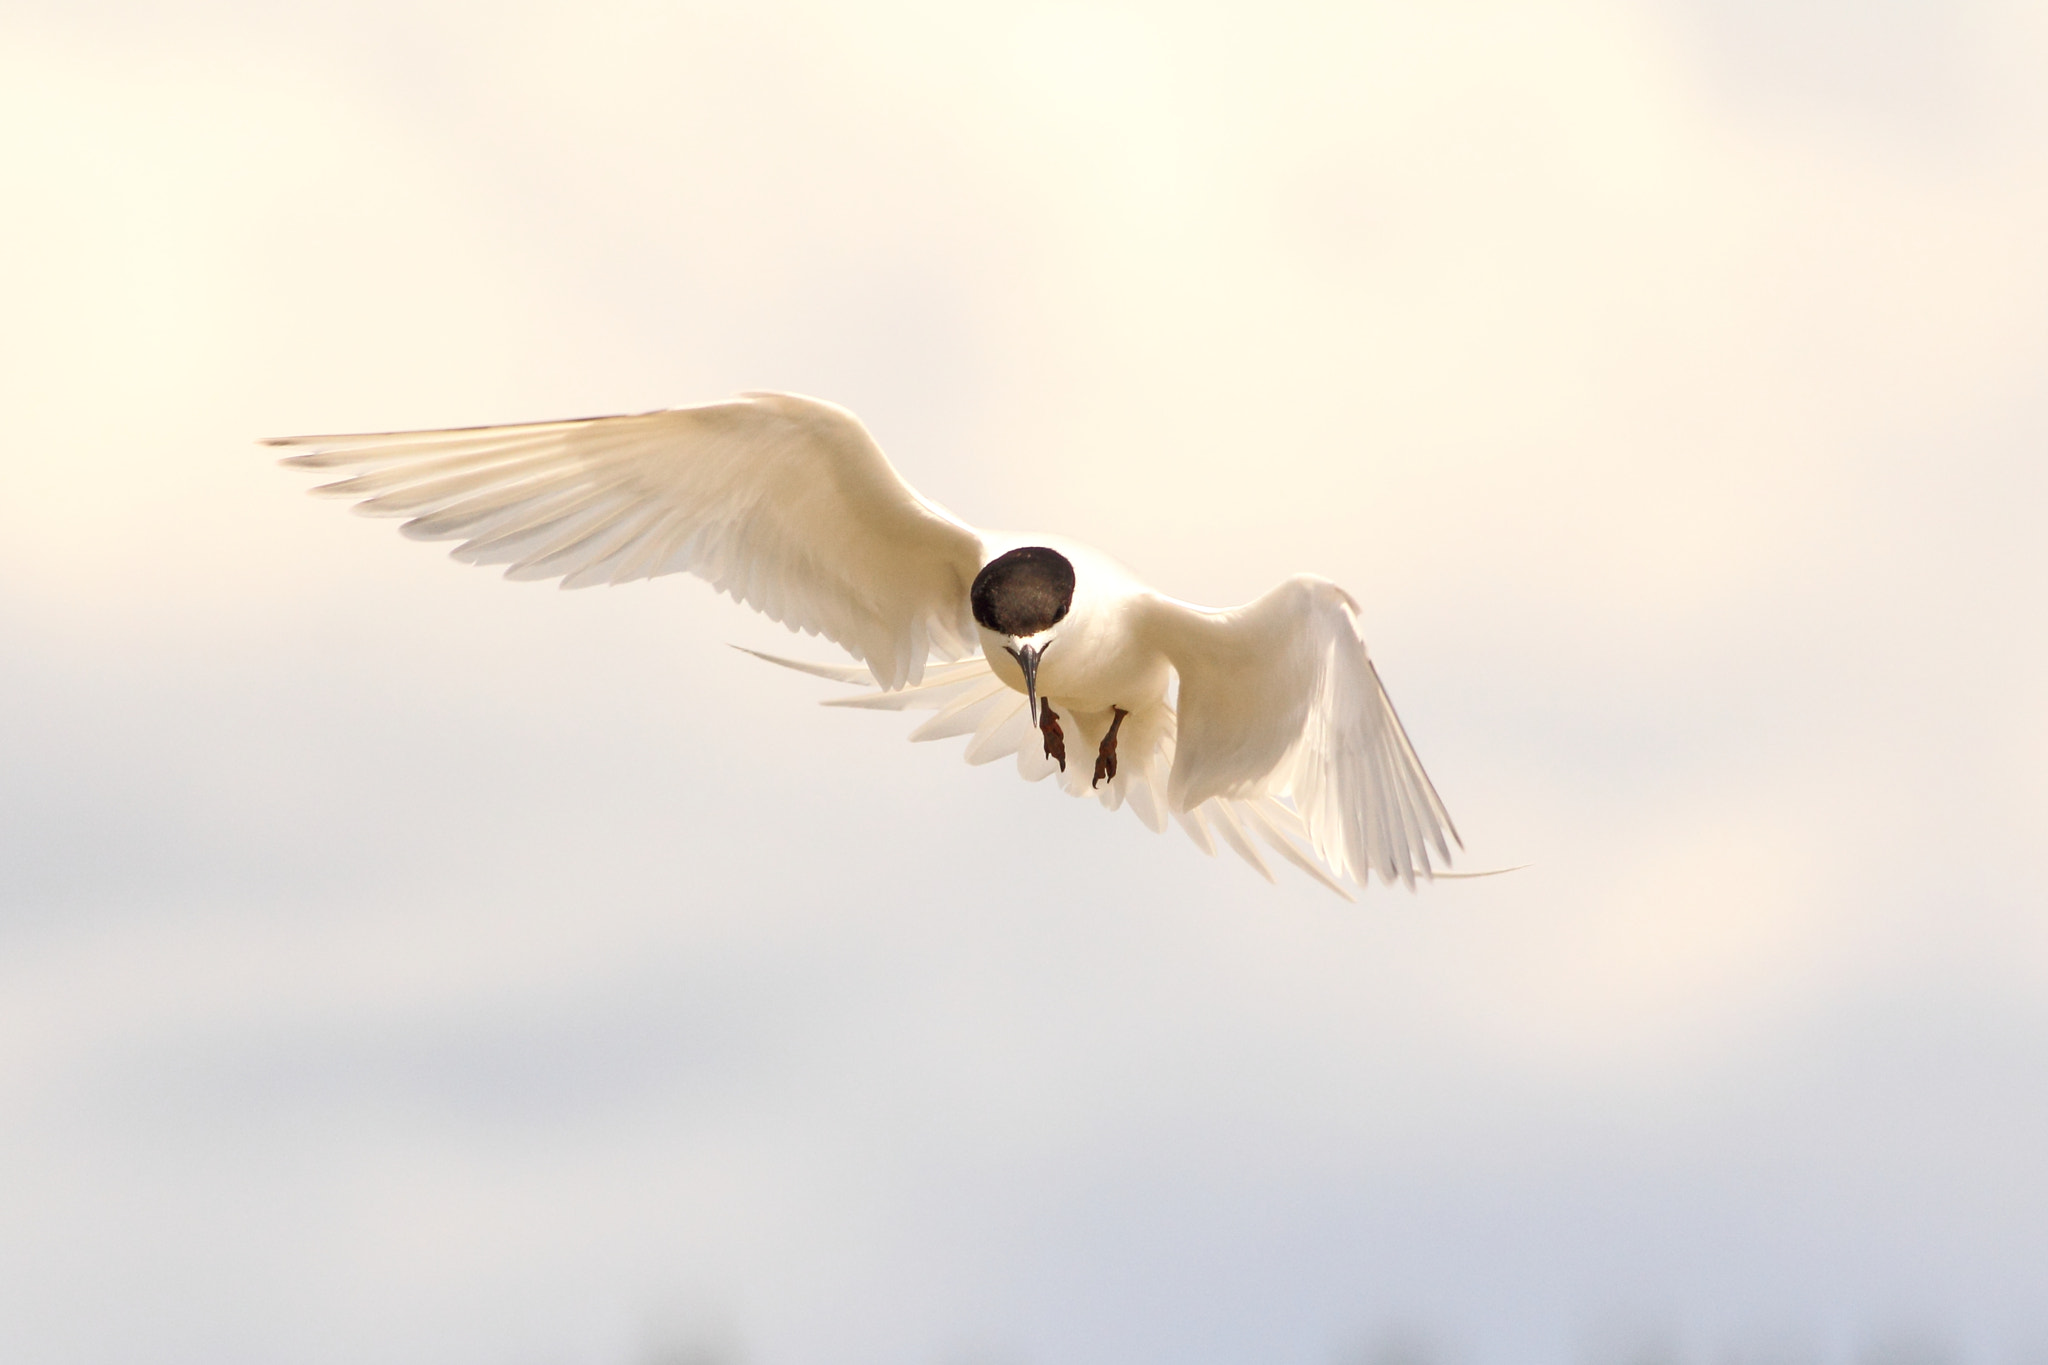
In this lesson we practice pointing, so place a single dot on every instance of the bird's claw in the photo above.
(1105, 757)
(1055, 738)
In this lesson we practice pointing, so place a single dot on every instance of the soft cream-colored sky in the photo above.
(396, 964)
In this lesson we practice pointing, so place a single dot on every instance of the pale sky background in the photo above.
(398, 966)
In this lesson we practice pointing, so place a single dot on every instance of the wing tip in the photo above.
(840, 673)
(1469, 876)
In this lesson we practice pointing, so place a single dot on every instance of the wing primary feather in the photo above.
(481, 514)
(840, 673)
(1000, 735)
(1421, 822)
(963, 715)
(1408, 751)
(1413, 824)
(372, 442)
(600, 551)
(560, 538)
(1143, 798)
(1197, 829)
(529, 532)
(644, 556)
(1232, 833)
(940, 685)
(530, 466)
(1259, 816)
(1390, 856)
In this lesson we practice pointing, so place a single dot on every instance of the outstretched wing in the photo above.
(1279, 698)
(785, 503)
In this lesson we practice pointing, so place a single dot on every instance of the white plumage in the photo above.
(1261, 725)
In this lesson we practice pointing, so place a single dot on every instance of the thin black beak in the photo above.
(1027, 659)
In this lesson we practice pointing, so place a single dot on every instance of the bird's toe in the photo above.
(1105, 757)
(1054, 737)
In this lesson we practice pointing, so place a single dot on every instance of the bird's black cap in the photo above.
(1024, 591)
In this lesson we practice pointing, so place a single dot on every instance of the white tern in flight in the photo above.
(1261, 725)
